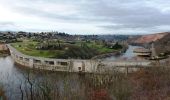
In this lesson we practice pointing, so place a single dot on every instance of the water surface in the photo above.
(124, 56)
(13, 76)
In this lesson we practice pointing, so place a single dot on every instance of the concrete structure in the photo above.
(71, 65)
(153, 55)
(142, 52)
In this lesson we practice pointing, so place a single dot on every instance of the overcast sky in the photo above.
(86, 16)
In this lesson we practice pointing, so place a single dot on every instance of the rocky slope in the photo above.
(149, 38)
(161, 41)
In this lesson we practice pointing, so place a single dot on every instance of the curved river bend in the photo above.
(127, 55)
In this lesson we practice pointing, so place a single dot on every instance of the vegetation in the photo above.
(151, 84)
(117, 46)
(2, 94)
(145, 84)
(69, 86)
(62, 49)
(163, 45)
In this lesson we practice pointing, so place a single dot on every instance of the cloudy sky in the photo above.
(86, 16)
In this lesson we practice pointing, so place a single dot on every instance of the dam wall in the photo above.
(69, 65)
(72, 65)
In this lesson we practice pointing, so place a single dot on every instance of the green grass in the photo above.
(100, 48)
(29, 48)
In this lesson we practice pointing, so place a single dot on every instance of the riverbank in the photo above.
(106, 55)
(4, 53)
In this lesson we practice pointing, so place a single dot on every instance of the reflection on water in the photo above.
(127, 55)
(13, 77)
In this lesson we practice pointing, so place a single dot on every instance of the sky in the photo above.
(86, 16)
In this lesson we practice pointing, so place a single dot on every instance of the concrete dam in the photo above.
(73, 65)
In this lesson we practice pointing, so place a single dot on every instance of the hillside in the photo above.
(149, 38)
(163, 45)
(161, 41)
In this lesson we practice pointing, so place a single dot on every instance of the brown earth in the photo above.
(150, 38)
(161, 41)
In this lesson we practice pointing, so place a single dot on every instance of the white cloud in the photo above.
(86, 16)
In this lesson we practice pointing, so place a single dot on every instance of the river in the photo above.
(12, 77)
(128, 55)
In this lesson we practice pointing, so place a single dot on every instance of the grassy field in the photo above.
(91, 49)
(99, 47)
(29, 48)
